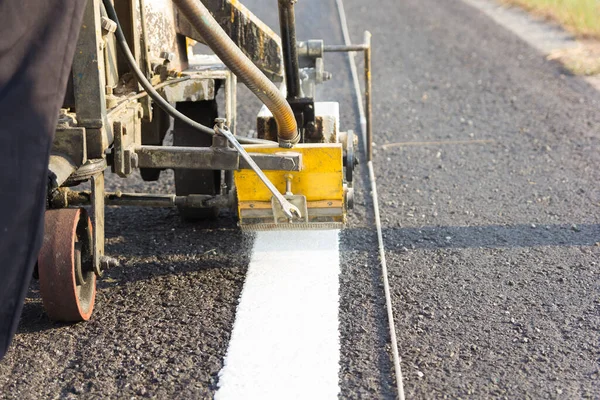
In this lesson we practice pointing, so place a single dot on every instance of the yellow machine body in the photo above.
(317, 190)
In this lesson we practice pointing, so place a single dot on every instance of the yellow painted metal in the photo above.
(320, 179)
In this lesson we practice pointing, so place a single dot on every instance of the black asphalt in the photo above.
(491, 223)
(492, 246)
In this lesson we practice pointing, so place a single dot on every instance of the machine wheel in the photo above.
(65, 265)
(188, 181)
(350, 160)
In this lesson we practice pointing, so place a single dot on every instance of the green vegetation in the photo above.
(582, 17)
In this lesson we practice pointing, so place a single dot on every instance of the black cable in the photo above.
(158, 99)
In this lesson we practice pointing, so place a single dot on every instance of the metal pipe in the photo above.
(214, 36)
(339, 48)
(287, 26)
(368, 105)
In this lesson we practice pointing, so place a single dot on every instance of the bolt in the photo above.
(288, 184)
(220, 122)
(107, 262)
(287, 164)
(167, 56)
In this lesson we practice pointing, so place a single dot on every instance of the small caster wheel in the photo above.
(65, 265)
(350, 160)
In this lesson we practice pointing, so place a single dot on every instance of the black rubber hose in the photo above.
(231, 55)
(158, 99)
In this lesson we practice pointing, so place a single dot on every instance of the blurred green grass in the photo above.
(581, 17)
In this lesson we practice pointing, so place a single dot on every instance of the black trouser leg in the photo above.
(37, 42)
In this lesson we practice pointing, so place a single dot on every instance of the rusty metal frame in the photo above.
(90, 85)
(110, 111)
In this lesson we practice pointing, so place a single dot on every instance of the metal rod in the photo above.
(144, 37)
(339, 48)
(84, 198)
(384, 270)
(368, 105)
(127, 99)
(287, 25)
(140, 199)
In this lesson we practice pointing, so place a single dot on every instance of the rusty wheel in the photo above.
(65, 265)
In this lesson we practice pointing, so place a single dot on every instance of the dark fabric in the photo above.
(37, 42)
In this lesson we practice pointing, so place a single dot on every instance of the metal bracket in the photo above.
(214, 158)
(280, 216)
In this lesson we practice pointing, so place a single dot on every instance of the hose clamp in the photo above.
(289, 143)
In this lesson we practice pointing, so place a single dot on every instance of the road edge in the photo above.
(544, 36)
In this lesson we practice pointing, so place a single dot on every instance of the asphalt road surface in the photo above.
(487, 161)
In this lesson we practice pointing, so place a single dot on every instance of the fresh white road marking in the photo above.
(285, 340)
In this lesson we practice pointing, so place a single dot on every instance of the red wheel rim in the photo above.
(65, 297)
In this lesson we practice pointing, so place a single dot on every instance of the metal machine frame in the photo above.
(107, 119)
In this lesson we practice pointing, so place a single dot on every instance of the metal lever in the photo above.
(290, 210)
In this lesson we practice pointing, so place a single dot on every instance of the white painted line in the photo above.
(285, 340)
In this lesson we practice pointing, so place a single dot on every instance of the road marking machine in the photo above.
(133, 78)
